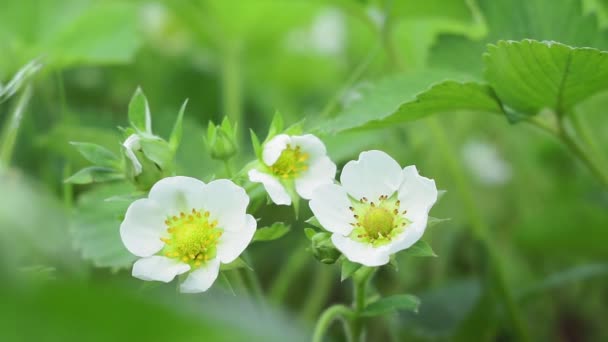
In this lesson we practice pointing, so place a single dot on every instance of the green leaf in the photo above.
(313, 221)
(104, 33)
(176, 133)
(139, 112)
(526, 19)
(348, 268)
(276, 126)
(391, 304)
(19, 79)
(384, 99)
(97, 154)
(255, 142)
(445, 97)
(419, 249)
(94, 174)
(237, 263)
(433, 221)
(530, 76)
(158, 151)
(309, 232)
(276, 231)
(95, 227)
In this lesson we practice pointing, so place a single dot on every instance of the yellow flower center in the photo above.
(291, 163)
(377, 223)
(193, 237)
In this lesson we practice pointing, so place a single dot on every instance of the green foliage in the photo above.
(391, 304)
(530, 76)
(236, 264)
(275, 231)
(97, 154)
(383, 99)
(420, 249)
(139, 112)
(348, 268)
(94, 174)
(94, 226)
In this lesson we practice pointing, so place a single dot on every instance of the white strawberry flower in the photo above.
(184, 226)
(378, 210)
(293, 161)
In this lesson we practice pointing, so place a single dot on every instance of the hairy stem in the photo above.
(330, 314)
(9, 136)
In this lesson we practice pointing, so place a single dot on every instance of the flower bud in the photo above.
(323, 249)
(221, 140)
(148, 159)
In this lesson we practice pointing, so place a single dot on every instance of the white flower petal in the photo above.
(273, 187)
(364, 254)
(311, 145)
(227, 203)
(413, 232)
(274, 147)
(330, 204)
(321, 171)
(373, 175)
(417, 193)
(131, 144)
(178, 194)
(143, 227)
(233, 243)
(158, 268)
(201, 279)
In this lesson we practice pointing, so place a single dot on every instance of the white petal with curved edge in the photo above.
(412, 233)
(274, 147)
(311, 145)
(330, 204)
(417, 193)
(361, 253)
(321, 171)
(178, 194)
(131, 144)
(233, 243)
(373, 175)
(201, 279)
(273, 187)
(227, 203)
(142, 227)
(158, 268)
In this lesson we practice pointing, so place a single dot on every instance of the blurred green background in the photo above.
(66, 274)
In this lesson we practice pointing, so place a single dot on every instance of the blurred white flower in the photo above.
(483, 160)
(184, 226)
(325, 36)
(298, 161)
(378, 210)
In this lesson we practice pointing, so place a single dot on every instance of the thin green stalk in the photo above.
(360, 281)
(9, 136)
(587, 157)
(231, 85)
(253, 282)
(332, 313)
(318, 293)
(68, 188)
(581, 126)
(479, 227)
(289, 271)
(352, 79)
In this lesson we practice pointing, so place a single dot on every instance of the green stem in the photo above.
(479, 228)
(228, 167)
(360, 281)
(352, 79)
(9, 136)
(587, 157)
(253, 282)
(288, 273)
(318, 293)
(328, 316)
(231, 84)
